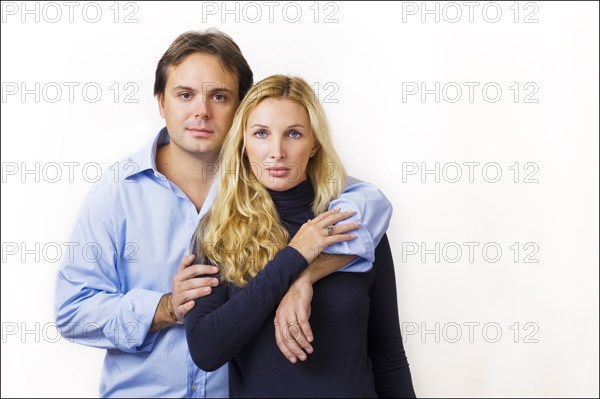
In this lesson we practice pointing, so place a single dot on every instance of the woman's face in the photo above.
(279, 143)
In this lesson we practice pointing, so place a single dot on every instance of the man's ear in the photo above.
(160, 98)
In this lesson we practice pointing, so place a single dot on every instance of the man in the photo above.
(130, 292)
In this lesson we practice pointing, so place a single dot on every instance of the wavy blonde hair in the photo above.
(242, 231)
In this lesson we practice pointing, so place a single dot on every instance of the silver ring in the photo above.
(330, 229)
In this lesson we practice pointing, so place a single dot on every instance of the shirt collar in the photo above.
(145, 159)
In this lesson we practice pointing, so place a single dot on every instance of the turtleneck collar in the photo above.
(297, 200)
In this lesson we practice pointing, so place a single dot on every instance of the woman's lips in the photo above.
(278, 172)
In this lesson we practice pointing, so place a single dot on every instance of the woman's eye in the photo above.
(261, 134)
(295, 134)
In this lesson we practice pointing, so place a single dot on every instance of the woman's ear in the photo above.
(314, 151)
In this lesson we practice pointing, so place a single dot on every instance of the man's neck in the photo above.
(192, 174)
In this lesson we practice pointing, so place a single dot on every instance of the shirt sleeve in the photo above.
(373, 211)
(218, 326)
(91, 307)
(390, 366)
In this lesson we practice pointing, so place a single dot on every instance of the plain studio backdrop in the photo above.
(478, 120)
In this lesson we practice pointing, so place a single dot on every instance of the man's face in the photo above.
(198, 104)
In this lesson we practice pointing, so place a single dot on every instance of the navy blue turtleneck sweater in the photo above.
(358, 349)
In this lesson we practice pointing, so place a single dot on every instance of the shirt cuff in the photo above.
(128, 330)
(361, 246)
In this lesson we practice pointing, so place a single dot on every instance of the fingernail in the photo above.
(303, 358)
(215, 269)
(207, 289)
(309, 339)
(292, 359)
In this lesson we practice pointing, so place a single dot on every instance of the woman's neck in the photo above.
(295, 200)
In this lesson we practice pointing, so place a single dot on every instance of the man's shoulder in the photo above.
(125, 176)
(356, 188)
(351, 180)
(355, 184)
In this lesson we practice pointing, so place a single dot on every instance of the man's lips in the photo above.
(199, 132)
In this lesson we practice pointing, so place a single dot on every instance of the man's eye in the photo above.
(185, 95)
(220, 97)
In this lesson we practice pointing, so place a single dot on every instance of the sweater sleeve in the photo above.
(386, 351)
(220, 324)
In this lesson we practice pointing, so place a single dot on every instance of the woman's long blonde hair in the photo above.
(242, 231)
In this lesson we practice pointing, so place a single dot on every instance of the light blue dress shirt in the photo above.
(133, 230)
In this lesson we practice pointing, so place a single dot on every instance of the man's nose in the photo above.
(202, 108)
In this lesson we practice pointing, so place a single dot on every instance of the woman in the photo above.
(278, 157)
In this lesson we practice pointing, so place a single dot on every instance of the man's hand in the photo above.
(292, 330)
(187, 288)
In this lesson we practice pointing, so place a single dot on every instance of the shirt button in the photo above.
(194, 386)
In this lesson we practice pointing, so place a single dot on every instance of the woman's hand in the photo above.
(317, 234)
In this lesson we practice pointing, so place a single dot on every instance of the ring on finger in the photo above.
(330, 229)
